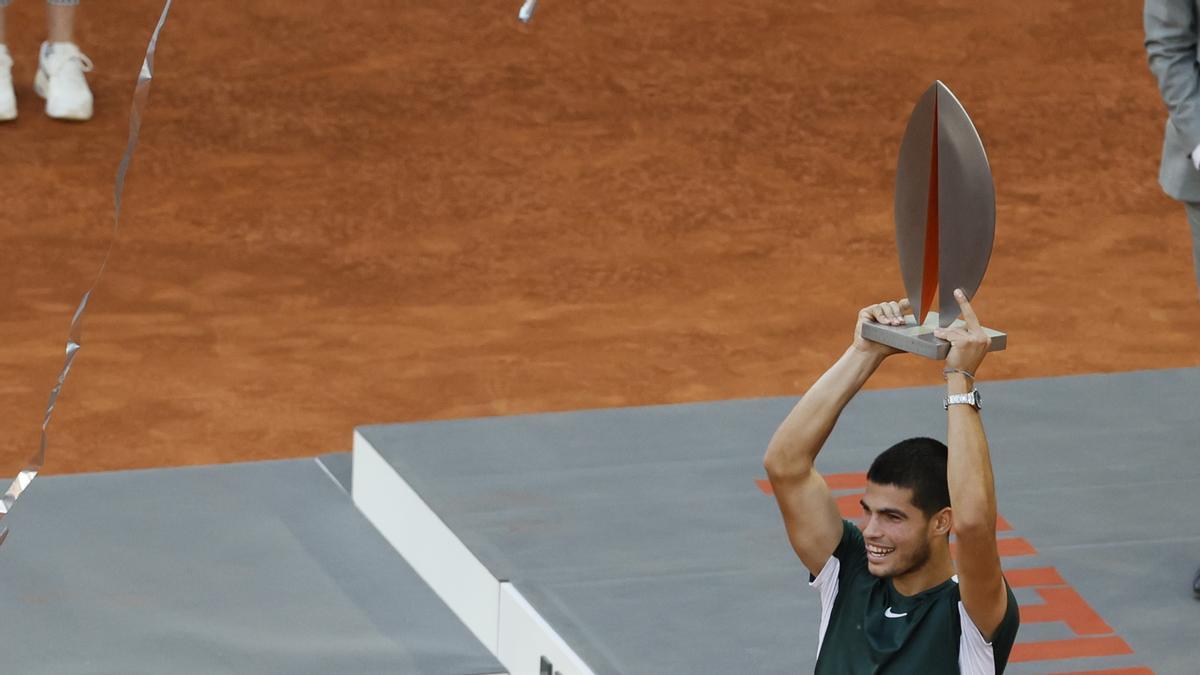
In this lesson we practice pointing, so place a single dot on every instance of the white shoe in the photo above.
(60, 81)
(8, 100)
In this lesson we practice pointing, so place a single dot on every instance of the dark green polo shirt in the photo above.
(867, 627)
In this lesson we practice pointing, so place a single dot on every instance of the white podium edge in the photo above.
(493, 610)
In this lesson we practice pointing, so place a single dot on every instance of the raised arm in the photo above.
(1171, 36)
(810, 514)
(972, 487)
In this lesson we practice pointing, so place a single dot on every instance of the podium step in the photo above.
(241, 568)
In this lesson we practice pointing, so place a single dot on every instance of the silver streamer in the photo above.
(75, 334)
(526, 12)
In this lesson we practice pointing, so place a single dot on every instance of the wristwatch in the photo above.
(970, 398)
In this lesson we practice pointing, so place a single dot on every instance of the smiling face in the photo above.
(900, 538)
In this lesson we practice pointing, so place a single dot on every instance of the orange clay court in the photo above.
(401, 212)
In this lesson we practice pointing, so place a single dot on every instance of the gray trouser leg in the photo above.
(1193, 216)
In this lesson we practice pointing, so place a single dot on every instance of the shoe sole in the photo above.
(41, 83)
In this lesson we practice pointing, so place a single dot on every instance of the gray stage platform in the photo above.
(642, 541)
(246, 568)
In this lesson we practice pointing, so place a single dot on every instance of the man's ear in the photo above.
(942, 522)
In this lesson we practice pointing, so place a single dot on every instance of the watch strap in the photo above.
(970, 398)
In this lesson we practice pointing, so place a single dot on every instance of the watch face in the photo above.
(977, 399)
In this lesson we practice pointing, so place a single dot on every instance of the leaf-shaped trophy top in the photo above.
(945, 205)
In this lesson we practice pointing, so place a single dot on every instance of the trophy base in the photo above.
(919, 339)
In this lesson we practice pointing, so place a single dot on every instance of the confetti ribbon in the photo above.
(75, 334)
(526, 12)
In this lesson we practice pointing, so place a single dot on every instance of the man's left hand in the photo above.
(969, 343)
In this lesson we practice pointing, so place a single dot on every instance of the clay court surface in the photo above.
(348, 213)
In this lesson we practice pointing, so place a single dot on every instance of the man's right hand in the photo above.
(810, 513)
(887, 313)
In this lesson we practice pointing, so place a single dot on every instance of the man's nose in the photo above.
(869, 528)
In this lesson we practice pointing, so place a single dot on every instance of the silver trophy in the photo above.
(945, 222)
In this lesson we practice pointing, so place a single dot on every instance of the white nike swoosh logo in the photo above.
(889, 614)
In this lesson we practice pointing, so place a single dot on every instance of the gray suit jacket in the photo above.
(1171, 45)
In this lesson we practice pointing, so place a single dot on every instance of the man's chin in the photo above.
(879, 569)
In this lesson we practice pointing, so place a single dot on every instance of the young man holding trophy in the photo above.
(891, 601)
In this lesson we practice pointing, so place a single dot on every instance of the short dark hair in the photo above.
(918, 464)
